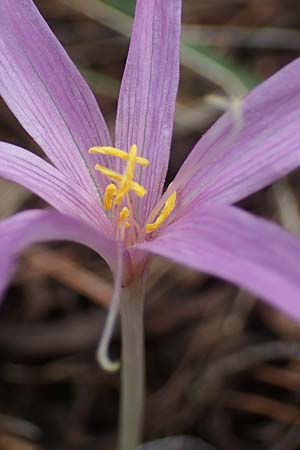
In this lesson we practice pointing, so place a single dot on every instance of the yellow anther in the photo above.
(125, 180)
(124, 183)
(165, 212)
(109, 173)
(111, 151)
(123, 216)
(139, 190)
(109, 194)
(131, 162)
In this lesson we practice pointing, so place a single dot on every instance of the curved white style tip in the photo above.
(102, 353)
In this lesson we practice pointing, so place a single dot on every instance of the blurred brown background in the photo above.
(223, 370)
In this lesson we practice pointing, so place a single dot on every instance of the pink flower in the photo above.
(111, 200)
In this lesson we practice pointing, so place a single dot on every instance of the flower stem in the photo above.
(133, 372)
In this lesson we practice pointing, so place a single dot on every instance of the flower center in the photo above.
(119, 191)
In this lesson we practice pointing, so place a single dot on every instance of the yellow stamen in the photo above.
(123, 216)
(131, 162)
(124, 183)
(115, 176)
(126, 180)
(111, 151)
(165, 212)
(139, 190)
(109, 194)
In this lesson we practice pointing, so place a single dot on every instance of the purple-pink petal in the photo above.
(35, 226)
(60, 191)
(148, 93)
(47, 94)
(234, 160)
(232, 244)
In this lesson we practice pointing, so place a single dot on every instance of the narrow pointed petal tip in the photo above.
(229, 243)
(233, 160)
(148, 93)
(47, 94)
(35, 226)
